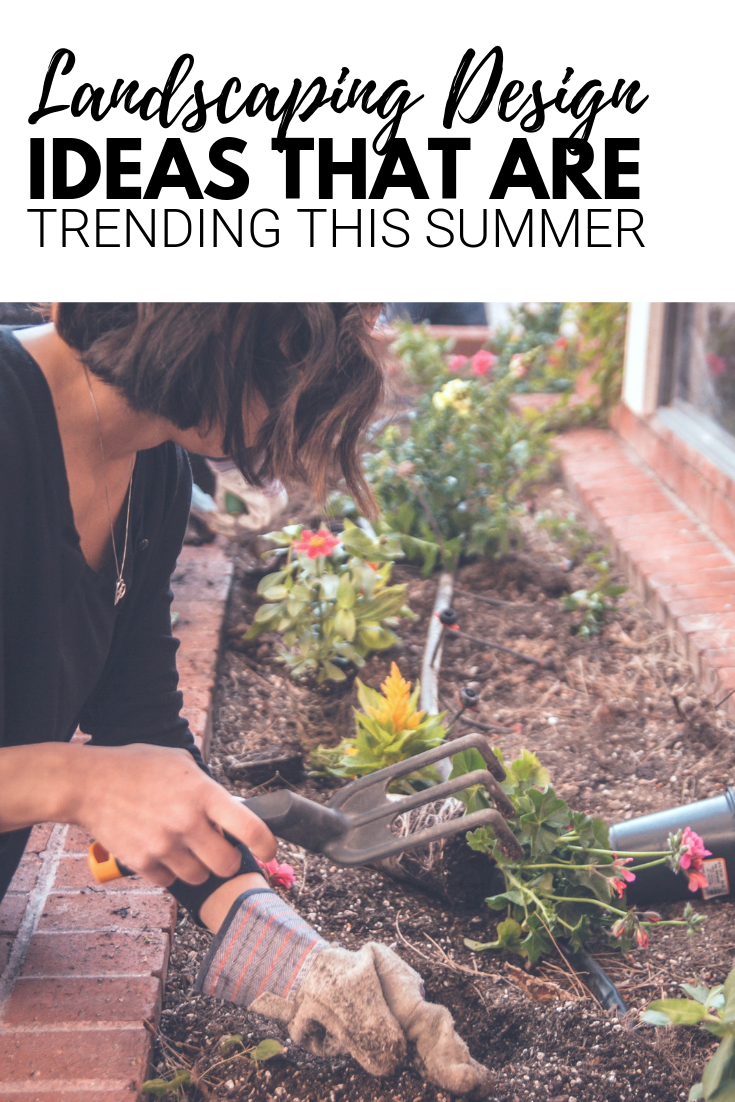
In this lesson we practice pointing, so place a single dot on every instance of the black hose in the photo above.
(598, 981)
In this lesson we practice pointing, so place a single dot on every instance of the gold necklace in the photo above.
(120, 586)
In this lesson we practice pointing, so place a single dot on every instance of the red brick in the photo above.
(718, 659)
(26, 873)
(624, 505)
(95, 954)
(667, 558)
(712, 621)
(722, 519)
(687, 591)
(11, 911)
(52, 1001)
(701, 605)
(714, 639)
(119, 1054)
(39, 837)
(91, 912)
(77, 840)
(645, 522)
(721, 575)
(74, 872)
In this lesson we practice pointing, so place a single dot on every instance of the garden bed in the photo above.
(602, 719)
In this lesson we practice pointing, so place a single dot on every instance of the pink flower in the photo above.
(624, 875)
(278, 876)
(696, 880)
(619, 928)
(482, 362)
(316, 543)
(456, 363)
(693, 852)
(517, 366)
(561, 342)
(716, 364)
(652, 916)
(641, 937)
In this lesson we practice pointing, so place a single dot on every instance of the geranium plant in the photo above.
(389, 729)
(712, 1009)
(570, 884)
(330, 600)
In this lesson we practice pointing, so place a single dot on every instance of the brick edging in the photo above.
(679, 567)
(83, 966)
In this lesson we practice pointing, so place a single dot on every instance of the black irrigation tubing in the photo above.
(598, 981)
(449, 620)
(462, 591)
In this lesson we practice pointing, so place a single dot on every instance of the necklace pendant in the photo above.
(120, 589)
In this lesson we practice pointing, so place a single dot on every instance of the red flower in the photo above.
(624, 875)
(316, 543)
(561, 342)
(619, 928)
(278, 876)
(652, 916)
(641, 937)
(716, 364)
(694, 853)
(696, 879)
(482, 362)
(456, 363)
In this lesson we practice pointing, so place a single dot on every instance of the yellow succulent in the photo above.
(396, 707)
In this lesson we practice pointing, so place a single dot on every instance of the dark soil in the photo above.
(605, 723)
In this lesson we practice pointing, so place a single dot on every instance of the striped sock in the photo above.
(262, 947)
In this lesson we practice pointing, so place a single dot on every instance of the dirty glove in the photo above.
(369, 1004)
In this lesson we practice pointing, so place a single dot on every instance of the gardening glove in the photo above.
(369, 1003)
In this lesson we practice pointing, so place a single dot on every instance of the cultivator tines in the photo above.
(354, 828)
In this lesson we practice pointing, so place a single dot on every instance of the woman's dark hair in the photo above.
(316, 365)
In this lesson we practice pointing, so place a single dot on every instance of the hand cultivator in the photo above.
(354, 828)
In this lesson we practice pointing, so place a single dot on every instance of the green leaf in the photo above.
(699, 993)
(344, 623)
(266, 1050)
(272, 579)
(267, 612)
(537, 941)
(655, 1017)
(346, 595)
(275, 593)
(527, 769)
(332, 672)
(161, 1087)
(509, 935)
(696, 1091)
(231, 1042)
(376, 638)
(680, 1011)
(718, 1079)
(233, 504)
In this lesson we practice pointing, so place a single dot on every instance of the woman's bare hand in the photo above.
(159, 813)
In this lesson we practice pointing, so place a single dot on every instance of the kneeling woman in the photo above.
(95, 409)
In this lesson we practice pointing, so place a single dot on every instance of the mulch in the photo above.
(620, 723)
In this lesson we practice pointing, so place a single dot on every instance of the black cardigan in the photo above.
(67, 656)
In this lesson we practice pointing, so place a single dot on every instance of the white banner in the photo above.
(470, 150)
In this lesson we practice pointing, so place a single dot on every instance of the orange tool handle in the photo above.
(103, 865)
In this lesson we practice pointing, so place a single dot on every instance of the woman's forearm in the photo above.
(38, 783)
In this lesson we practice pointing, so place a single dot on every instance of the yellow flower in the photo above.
(454, 394)
(397, 708)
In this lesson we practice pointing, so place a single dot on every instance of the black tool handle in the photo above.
(296, 819)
